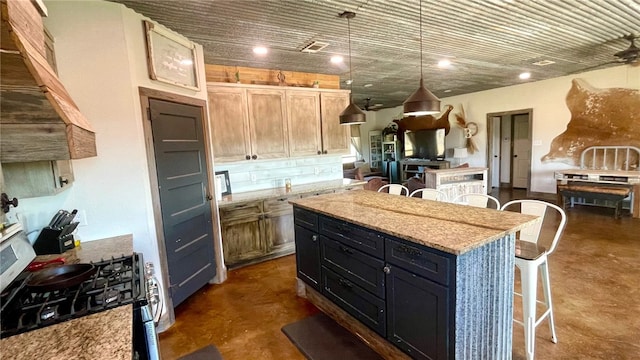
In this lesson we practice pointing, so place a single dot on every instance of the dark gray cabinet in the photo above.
(417, 315)
(397, 288)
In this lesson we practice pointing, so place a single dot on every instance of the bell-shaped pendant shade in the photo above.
(352, 115)
(421, 102)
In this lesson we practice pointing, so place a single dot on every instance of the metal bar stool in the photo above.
(430, 194)
(529, 257)
(395, 189)
(477, 200)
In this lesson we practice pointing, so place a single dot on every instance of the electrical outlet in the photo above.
(81, 217)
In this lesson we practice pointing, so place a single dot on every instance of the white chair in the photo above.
(430, 194)
(476, 200)
(395, 189)
(529, 257)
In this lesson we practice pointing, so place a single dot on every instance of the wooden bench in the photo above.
(595, 191)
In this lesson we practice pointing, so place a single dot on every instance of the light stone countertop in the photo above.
(295, 190)
(449, 227)
(106, 335)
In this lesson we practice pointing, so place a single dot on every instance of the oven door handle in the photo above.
(157, 302)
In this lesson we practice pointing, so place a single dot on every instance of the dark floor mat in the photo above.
(318, 337)
(209, 352)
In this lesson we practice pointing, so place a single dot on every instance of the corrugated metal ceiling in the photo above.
(489, 42)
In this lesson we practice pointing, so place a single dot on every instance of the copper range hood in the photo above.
(38, 119)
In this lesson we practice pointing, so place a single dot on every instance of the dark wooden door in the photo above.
(179, 144)
(417, 315)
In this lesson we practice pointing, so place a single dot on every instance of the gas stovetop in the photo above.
(117, 282)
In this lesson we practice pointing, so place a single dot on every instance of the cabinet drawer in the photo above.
(280, 204)
(356, 266)
(247, 209)
(357, 237)
(362, 305)
(306, 218)
(419, 260)
(317, 193)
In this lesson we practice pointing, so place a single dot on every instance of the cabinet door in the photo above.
(242, 239)
(242, 232)
(38, 178)
(308, 256)
(417, 315)
(336, 138)
(267, 124)
(303, 115)
(278, 225)
(279, 234)
(229, 123)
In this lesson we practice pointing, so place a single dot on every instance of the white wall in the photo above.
(550, 115)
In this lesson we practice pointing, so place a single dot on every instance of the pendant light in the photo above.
(352, 115)
(422, 101)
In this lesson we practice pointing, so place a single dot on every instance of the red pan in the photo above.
(60, 277)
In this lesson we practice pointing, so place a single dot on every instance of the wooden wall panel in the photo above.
(221, 73)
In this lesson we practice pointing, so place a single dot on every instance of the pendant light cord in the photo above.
(421, 77)
(350, 76)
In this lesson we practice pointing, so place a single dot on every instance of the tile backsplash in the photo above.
(255, 175)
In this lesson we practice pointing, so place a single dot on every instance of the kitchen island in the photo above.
(104, 335)
(414, 277)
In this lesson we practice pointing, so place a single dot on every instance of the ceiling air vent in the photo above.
(314, 47)
(544, 62)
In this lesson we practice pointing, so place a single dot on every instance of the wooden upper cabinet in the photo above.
(336, 138)
(267, 124)
(229, 123)
(303, 120)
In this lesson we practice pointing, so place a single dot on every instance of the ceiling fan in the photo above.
(368, 106)
(631, 54)
(628, 56)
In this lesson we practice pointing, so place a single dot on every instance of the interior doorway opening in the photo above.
(509, 153)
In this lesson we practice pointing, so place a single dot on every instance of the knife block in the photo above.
(49, 242)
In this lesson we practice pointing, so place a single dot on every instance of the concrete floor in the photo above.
(595, 273)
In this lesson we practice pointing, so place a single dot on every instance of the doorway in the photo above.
(509, 155)
(179, 168)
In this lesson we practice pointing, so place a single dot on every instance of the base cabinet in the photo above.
(398, 289)
(418, 315)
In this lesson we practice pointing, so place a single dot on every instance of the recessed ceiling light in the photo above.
(336, 59)
(367, 85)
(444, 63)
(525, 75)
(448, 91)
(260, 50)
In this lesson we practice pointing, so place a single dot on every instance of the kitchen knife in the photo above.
(68, 218)
(68, 229)
(56, 218)
(56, 225)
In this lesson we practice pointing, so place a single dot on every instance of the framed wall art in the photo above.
(222, 183)
(170, 58)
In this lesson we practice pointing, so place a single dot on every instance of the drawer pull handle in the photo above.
(410, 251)
(345, 283)
(344, 229)
(346, 250)
(314, 238)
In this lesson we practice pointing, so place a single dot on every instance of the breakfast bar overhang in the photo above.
(414, 277)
